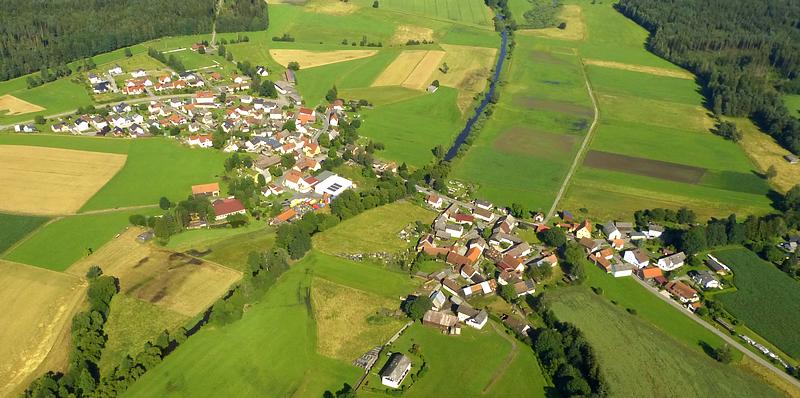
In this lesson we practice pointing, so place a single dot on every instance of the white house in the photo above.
(24, 128)
(94, 79)
(438, 299)
(138, 73)
(81, 125)
(262, 71)
(478, 321)
(116, 70)
(227, 207)
(205, 98)
(637, 257)
(395, 370)
(671, 262)
(202, 141)
(454, 230)
(654, 231)
(611, 231)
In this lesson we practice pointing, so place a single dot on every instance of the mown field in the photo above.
(761, 285)
(664, 366)
(93, 144)
(14, 227)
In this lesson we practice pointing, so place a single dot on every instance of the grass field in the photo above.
(766, 153)
(760, 285)
(92, 144)
(664, 366)
(233, 252)
(793, 103)
(373, 231)
(38, 304)
(53, 181)
(366, 277)
(14, 227)
(155, 168)
(469, 11)
(55, 97)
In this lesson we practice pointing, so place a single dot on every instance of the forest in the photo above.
(745, 53)
(39, 34)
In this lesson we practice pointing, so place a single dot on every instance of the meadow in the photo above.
(14, 227)
(62, 95)
(92, 144)
(793, 103)
(664, 365)
(470, 11)
(761, 285)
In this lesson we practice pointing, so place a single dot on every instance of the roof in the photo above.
(651, 272)
(205, 188)
(286, 215)
(674, 259)
(395, 367)
(640, 255)
(227, 206)
(440, 318)
(588, 243)
(681, 289)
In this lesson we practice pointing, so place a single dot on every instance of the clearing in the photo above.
(311, 59)
(175, 281)
(12, 105)
(572, 15)
(641, 69)
(412, 69)
(38, 306)
(53, 181)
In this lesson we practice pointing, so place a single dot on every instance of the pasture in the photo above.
(38, 306)
(311, 59)
(365, 277)
(375, 230)
(623, 342)
(13, 228)
(760, 285)
(174, 281)
(53, 181)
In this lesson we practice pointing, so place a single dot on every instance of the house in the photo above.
(647, 273)
(485, 287)
(619, 270)
(338, 105)
(612, 232)
(478, 321)
(520, 250)
(262, 71)
(682, 292)
(102, 87)
(791, 245)
(483, 204)
(81, 125)
(122, 107)
(395, 370)
(203, 141)
(636, 235)
(451, 286)
(792, 159)
(306, 164)
(590, 245)
(523, 287)
(211, 190)
(671, 262)
(205, 98)
(484, 214)
(705, 279)
(227, 207)
(518, 325)
(617, 244)
(637, 257)
(282, 87)
(306, 115)
(138, 73)
(94, 79)
(600, 261)
(438, 299)
(466, 311)
(333, 120)
(511, 264)
(462, 262)
(506, 223)
(654, 231)
(550, 260)
(264, 162)
(59, 127)
(717, 266)
(584, 230)
(500, 239)
(454, 230)
(25, 128)
(116, 70)
(434, 200)
(290, 76)
(440, 320)
(332, 184)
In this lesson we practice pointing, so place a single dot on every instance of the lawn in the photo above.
(761, 285)
(664, 365)
(14, 227)
(157, 167)
(373, 231)
(60, 243)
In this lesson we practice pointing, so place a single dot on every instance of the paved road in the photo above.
(724, 336)
(581, 151)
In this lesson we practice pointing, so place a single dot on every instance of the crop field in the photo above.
(373, 231)
(760, 285)
(53, 181)
(13, 228)
(412, 69)
(12, 106)
(311, 59)
(155, 168)
(92, 144)
(624, 342)
(350, 322)
(130, 64)
(38, 305)
(59, 96)
(651, 70)
(171, 280)
(469, 11)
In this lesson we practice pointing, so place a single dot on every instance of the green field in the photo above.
(92, 144)
(468, 11)
(793, 103)
(234, 251)
(14, 227)
(60, 243)
(639, 359)
(62, 95)
(760, 285)
(157, 167)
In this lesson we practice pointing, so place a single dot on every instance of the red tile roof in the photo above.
(227, 206)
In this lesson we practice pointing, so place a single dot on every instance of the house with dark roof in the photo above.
(395, 370)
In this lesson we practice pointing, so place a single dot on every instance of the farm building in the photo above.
(211, 190)
(717, 266)
(395, 370)
(442, 320)
(332, 184)
(227, 207)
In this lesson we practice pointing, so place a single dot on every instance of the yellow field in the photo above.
(167, 279)
(11, 105)
(311, 59)
(575, 30)
(350, 322)
(765, 152)
(652, 70)
(404, 33)
(38, 305)
(52, 181)
(412, 69)
(469, 68)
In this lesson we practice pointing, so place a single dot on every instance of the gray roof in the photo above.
(396, 366)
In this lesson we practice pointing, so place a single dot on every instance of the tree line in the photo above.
(36, 35)
(745, 54)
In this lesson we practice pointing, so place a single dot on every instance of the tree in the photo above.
(332, 94)
(94, 272)
(39, 119)
(293, 65)
(164, 203)
(574, 259)
(507, 292)
(375, 4)
(161, 229)
(417, 308)
(791, 201)
(138, 219)
(723, 354)
(519, 210)
(554, 237)
(439, 152)
(128, 52)
(693, 240)
(262, 181)
(771, 173)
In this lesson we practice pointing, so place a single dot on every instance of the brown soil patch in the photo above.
(404, 33)
(38, 305)
(172, 280)
(15, 106)
(645, 167)
(527, 141)
(553, 106)
(572, 14)
(50, 181)
(311, 59)
(412, 69)
(651, 70)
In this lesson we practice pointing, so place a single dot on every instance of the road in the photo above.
(724, 336)
(581, 151)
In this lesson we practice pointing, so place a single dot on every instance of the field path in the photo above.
(116, 209)
(582, 150)
(498, 374)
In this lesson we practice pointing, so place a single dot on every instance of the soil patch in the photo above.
(411, 69)
(15, 106)
(528, 141)
(645, 167)
(553, 106)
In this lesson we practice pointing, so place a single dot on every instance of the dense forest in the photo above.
(39, 33)
(746, 53)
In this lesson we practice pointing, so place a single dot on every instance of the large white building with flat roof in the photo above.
(332, 184)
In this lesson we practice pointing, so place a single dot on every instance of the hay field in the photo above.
(350, 322)
(572, 14)
(310, 59)
(168, 279)
(469, 69)
(411, 69)
(652, 70)
(15, 106)
(37, 306)
(51, 180)
(765, 152)
(404, 33)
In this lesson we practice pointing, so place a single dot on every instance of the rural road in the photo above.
(581, 151)
(727, 338)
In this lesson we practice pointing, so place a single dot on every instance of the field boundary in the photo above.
(501, 371)
(27, 237)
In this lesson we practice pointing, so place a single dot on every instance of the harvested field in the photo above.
(766, 153)
(404, 33)
(37, 307)
(349, 321)
(171, 280)
(652, 70)
(645, 167)
(311, 59)
(527, 141)
(51, 180)
(553, 106)
(11, 105)
(412, 69)
(420, 77)
(575, 29)
(469, 69)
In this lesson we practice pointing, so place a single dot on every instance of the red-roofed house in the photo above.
(306, 115)
(227, 207)
(205, 98)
